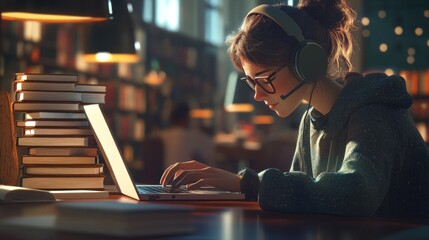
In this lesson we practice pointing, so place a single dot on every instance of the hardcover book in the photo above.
(57, 132)
(84, 97)
(85, 141)
(48, 96)
(58, 159)
(61, 151)
(54, 115)
(29, 107)
(63, 169)
(43, 86)
(63, 182)
(46, 77)
(52, 123)
(90, 88)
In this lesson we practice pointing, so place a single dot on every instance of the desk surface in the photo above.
(234, 220)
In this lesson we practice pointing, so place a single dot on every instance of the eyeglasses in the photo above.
(265, 82)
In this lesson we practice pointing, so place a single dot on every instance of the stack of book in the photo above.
(57, 146)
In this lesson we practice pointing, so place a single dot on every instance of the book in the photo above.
(80, 194)
(63, 182)
(61, 96)
(26, 159)
(46, 77)
(124, 219)
(48, 96)
(84, 141)
(51, 123)
(21, 194)
(54, 115)
(95, 98)
(27, 106)
(43, 86)
(90, 88)
(57, 152)
(57, 132)
(85, 224)
(63, 169)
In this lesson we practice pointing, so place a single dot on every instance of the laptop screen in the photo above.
(110, 151)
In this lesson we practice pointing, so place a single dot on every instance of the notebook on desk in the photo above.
(122, 176)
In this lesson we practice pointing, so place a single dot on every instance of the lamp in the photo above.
(202, 113)
(237, 98)
(114, 40)
(54, 11)
(262, 115)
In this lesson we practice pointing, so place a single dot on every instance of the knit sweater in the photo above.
(365, 157)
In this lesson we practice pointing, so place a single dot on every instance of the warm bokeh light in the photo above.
(426, 13)
(382, 14)
(105, 57)
(366, 33)
(29, 132)
(389, 71)
(410, 59)
(30, 123)
(398, 30)
(418, 31)
(203, 113)
(240, 107)
(383, 47)
(155, 78)
(411, 51)
(263, 119)
(48, 18)
(427, 42)
(365, 21)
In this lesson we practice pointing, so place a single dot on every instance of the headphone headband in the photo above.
(310, 60)
(281, 18)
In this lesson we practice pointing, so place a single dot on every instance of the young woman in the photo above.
(358, 151)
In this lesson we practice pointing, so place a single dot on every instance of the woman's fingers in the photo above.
(190, 176)
(195, 175)
(170, 173)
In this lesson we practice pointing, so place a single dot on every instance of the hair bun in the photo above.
(331, 14)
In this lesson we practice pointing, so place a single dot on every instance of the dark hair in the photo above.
(326, 22)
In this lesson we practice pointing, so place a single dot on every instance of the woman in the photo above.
(358, 151)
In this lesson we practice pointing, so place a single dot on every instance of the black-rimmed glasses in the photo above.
(265, 82)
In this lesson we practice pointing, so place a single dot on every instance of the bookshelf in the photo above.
(418, 86)
(134, 108)
(401, 48)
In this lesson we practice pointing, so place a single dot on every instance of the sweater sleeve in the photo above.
(249, 183)
(358, 188)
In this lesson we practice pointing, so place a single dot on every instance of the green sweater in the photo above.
(365, 157)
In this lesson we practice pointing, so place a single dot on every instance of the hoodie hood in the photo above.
(360, 91)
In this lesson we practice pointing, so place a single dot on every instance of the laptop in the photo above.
(122, 177)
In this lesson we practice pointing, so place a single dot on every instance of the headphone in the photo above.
(310, 61)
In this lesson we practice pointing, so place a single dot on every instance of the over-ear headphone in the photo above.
(310, 61)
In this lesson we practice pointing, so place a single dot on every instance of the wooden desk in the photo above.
(234, 220)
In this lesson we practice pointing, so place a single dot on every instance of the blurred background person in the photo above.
(181, 142)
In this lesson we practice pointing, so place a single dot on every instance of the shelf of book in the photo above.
(417, 82)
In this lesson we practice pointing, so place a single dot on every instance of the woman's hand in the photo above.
(195, 175)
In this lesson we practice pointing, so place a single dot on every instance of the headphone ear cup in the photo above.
(311, 62)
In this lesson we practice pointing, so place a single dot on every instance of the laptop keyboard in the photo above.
(157, 189)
